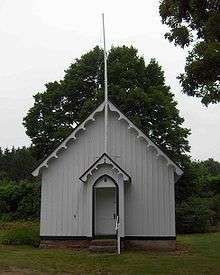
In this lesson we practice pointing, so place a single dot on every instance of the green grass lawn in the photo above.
(198, 254)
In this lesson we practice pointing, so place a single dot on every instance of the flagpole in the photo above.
(106, 85)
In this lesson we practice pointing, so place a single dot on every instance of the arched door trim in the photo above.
(93, 200)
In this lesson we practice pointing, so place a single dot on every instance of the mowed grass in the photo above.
(197, 254)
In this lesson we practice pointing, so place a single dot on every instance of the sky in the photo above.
(39, 39)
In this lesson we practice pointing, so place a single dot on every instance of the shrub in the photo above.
(6, 217)
(194, 215)
(3, 206)
(19, 200)
(26, 233)
(29, 206)
(216, 208)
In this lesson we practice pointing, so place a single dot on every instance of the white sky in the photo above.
(41, 38)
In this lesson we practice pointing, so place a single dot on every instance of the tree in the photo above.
(200, 178)
(198, 196)
(196, 22)
(138, 89)
(16, 164)
(212, 166)
(194, 215)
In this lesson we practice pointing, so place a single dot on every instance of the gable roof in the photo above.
(82, 126)
(105, 159)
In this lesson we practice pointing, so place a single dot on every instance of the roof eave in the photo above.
(150, 143)
(81, 126)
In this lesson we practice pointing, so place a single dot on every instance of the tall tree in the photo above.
(196, 22)
(138, 89)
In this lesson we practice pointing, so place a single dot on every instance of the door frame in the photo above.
(94, 206)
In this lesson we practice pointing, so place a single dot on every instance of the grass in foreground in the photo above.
(20, 232)
(201, 255)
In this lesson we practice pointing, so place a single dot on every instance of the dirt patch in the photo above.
(25, 271)
(18, 271)
(182, 249)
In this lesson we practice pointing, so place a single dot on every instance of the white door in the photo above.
(105, 210)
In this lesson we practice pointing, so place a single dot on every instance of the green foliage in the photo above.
(138, 89)
(186, 185)
(194, 215)
(16, 164)
(212, 166)
(215, 206)
(197, 196)
(19, 200)
(202, 70)
(22, 233)
(200, 178)
(198, 22)
(29, 206)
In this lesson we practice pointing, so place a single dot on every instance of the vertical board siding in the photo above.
(62, 198)
(149, 205)
(149, 200)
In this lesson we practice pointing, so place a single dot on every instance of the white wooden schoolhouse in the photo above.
(99, 175)
(108, 178)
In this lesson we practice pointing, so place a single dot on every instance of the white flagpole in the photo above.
(106, 118)
(106, 84)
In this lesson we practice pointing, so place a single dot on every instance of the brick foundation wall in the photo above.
(73, 244)
(146, 245)
(159, 245)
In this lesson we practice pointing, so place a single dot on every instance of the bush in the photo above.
(6, 217)
(216, 208)
(26, 233)
(194, 215)
(19, 200)
(29, 206)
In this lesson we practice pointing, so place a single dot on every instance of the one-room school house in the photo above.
(102, 176)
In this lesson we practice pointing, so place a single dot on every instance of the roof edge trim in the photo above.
(81, 126)
(104, 159)
(150, 143)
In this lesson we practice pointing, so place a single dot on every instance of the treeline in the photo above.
(19, 191)
(17, 164)
(198, 197)
(197, 192)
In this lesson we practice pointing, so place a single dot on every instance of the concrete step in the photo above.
(74, 246)
(45, 245)
(103, 242)
(104, 245)
(102, 248)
